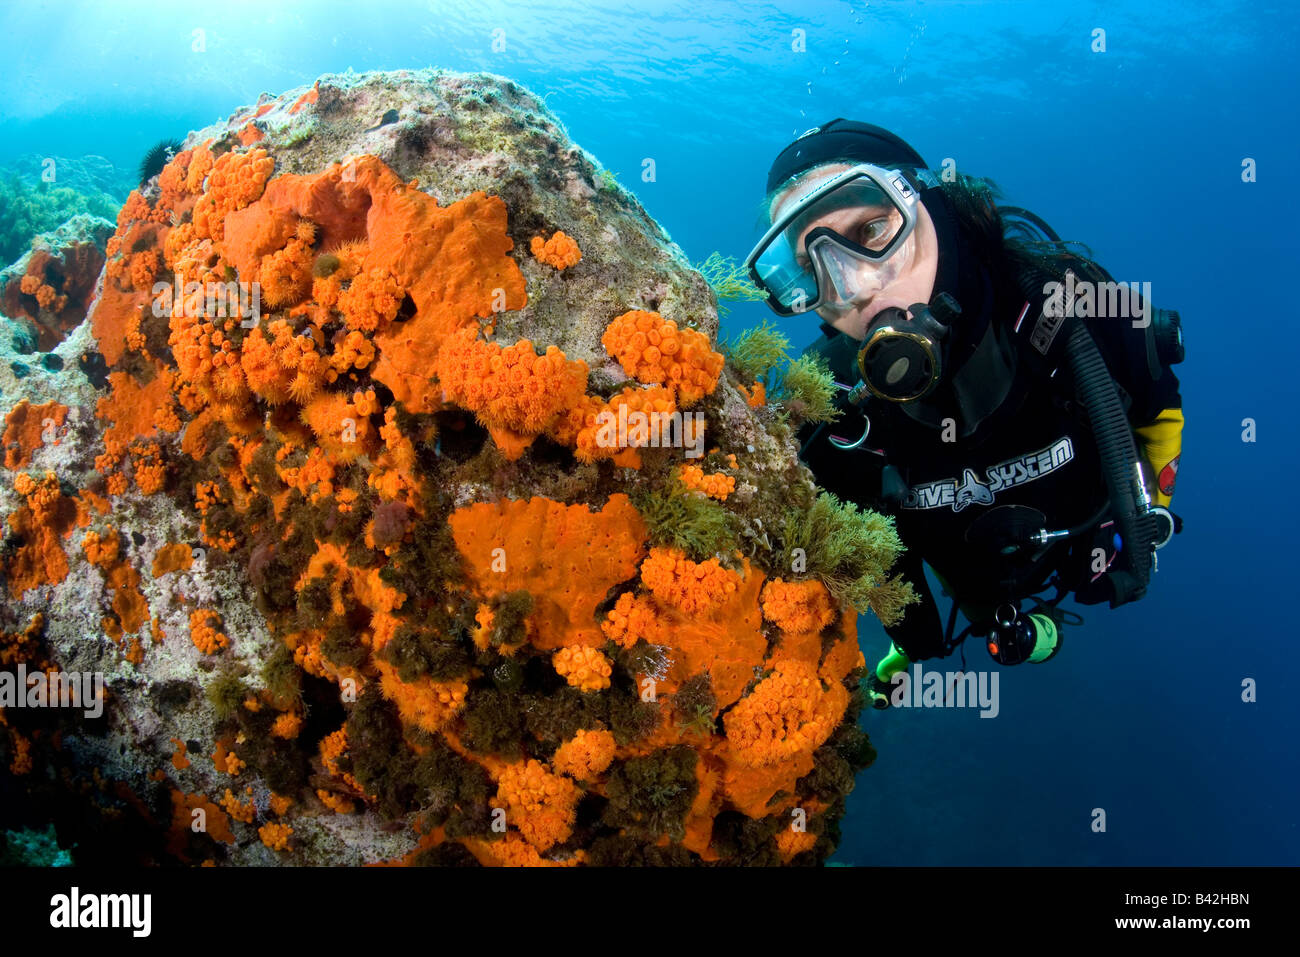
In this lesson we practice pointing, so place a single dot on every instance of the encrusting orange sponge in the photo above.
(40, 526)
(27, 428)
(566, 556)
(755, 396)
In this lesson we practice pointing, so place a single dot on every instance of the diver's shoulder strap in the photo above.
(1042, 330)
(1163, 335)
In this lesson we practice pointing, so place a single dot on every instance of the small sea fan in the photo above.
(156, 158)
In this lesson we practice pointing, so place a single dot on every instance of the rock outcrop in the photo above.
(410, 512)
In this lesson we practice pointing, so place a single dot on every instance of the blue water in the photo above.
(1137, 151)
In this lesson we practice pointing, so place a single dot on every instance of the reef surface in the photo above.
(326, 480)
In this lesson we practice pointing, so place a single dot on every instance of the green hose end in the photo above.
(1049, 638)
(892, 664)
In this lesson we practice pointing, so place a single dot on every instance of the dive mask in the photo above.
(840, 243)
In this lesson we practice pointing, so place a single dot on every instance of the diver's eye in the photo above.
(875, 234)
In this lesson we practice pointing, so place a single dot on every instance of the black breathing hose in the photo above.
(1110, 427)
(1095, 391)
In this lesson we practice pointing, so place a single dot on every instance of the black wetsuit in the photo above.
(1034, 450)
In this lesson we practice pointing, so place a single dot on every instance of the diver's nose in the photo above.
(856, 292)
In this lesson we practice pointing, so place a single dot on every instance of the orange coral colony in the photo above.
(798, 606)
(560, 251)
(204, 634)
(516, 393)
(714, 485)
(652, 349)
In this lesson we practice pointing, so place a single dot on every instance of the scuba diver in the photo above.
(1001, 397)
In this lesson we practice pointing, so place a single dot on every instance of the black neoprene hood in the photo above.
(841, 139)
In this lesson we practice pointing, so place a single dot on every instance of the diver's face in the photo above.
(914, 282)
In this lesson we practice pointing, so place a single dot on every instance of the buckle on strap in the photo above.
(925, 178)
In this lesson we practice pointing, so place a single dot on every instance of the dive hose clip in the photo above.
(856, 396)
(1165, 523)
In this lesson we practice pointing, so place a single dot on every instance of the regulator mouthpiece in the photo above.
(901, 359)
